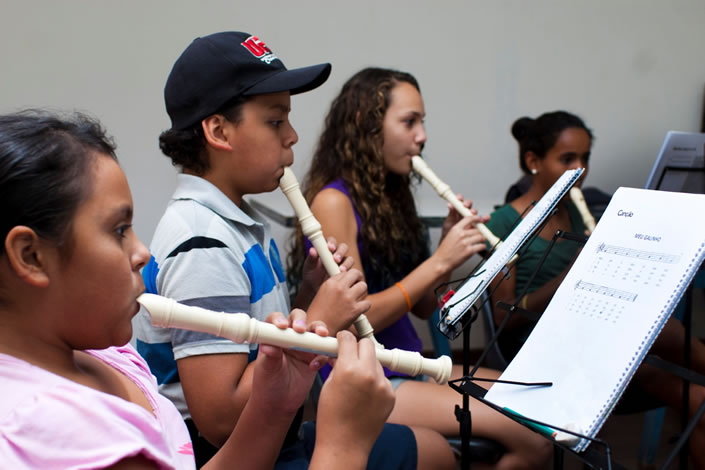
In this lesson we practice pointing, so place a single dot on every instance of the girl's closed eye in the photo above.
(412, 121)
(569, 159)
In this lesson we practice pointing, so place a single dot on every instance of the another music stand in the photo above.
(680, 167)
(680, 164)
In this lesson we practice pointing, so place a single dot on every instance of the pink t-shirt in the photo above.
(49, 422)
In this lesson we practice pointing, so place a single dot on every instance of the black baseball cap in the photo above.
(216, 68)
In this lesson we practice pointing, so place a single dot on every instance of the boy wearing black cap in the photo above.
(228, 97)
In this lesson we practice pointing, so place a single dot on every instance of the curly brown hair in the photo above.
(350, 148)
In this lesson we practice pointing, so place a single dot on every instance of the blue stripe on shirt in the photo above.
(276, 261)
(160, 358)
(258, 272)
(149, 275)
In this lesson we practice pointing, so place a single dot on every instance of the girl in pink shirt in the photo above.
(72, 396)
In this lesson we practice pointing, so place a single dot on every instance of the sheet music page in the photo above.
(620, 291)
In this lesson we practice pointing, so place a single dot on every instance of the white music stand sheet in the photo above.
(607, 312)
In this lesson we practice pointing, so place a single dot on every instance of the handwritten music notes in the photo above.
(608, 311)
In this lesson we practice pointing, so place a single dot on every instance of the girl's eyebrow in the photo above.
(123, 212)
(416, 113)
(574, 153)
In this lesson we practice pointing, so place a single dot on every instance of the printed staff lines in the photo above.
(606, 291)
(638, 254)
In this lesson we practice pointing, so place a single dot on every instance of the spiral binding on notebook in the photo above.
(454, 310)
(648, 340)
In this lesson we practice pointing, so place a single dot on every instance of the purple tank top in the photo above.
(400, 334)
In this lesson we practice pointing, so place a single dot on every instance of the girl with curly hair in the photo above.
(358, 187)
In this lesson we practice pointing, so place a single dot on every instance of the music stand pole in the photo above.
(463, 414)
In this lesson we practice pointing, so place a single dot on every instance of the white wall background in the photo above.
(633, 69)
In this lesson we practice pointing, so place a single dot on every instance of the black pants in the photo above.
(202, 449)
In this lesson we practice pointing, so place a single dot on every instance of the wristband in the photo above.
(406, 296)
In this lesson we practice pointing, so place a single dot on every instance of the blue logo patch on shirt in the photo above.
(160, 358)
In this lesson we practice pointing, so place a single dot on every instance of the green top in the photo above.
(562, 254)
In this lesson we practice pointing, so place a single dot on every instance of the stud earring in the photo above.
(533, 171)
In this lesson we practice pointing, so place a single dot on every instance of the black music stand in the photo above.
(463, 414)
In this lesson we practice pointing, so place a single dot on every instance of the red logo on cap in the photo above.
(256, 46)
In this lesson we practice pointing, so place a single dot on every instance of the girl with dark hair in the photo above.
(358, 187)
(548, 146)
(75, 394)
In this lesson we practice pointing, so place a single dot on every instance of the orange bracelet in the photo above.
(406, 296)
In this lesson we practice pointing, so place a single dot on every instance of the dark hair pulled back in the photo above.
(45, 159)
(540, 135)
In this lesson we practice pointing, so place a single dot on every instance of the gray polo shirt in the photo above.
(207, 252)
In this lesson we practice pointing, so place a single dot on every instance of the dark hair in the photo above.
(350, 148)
(540, 135)
(44, 169)
(187, 147)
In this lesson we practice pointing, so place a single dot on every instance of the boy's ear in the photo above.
(25, 254)
(215, 132)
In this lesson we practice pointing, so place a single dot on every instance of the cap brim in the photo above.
(295, 80)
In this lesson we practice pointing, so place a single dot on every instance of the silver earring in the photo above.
(533, 171)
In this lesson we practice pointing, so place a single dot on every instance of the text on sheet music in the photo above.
(648, 238)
